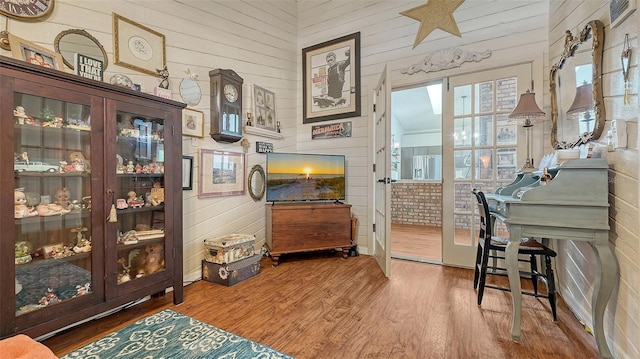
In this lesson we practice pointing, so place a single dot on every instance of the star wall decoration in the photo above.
(435, 14)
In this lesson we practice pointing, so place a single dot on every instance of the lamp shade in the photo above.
(583, 101)
(527, 108)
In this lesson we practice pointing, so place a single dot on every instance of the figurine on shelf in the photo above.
(62, 197)
(51, 209)
(157, 195)
(164, 77)
(130, 167)
(49, 298)
(20, 115)
(81, 241)
(21, 209)
(133, 201)
(79, 163)
(155, 258)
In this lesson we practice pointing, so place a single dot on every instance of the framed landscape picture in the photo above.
(222, 173)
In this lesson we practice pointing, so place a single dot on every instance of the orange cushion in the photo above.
(23, 347)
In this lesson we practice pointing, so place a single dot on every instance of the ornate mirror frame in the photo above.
(69, 62)
(256, 193)
(594, 30)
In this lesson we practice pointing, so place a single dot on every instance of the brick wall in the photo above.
(416, 203)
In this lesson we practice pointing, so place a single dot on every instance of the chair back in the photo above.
(485, 216)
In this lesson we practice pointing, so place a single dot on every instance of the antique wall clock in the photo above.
(26, 10)
(226, 105)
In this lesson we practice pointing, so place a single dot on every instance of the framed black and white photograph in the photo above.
(265, 108)
(137, 47)
(222, 173)
(187, 173)
(192, 123)
(331, 79)
(34, 54)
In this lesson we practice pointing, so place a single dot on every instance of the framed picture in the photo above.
(331, 79)
(34, 54)
(619, 10)
(137, 47)
(192, 123)
(264, 104)
(222, 173)
(187, 173)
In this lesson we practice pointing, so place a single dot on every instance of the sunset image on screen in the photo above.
(299, 177)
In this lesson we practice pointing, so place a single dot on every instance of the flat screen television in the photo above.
(305, 177)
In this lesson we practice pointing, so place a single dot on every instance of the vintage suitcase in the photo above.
(228, 249)
(231, 273)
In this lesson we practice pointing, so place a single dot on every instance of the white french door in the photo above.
(481, 149)
(382, 173)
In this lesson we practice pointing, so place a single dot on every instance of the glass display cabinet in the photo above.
(96, 223)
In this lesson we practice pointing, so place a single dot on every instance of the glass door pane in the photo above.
(52, 202)
(139, 196)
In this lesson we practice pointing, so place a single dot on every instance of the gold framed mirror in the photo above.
(72, 41)
(256, 182)
(575, 81)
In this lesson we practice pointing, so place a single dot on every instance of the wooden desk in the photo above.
(573, 206)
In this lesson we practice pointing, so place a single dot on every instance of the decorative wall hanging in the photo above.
(222, 173)
(331, 79)
(435, 14)
(190, 89)
(265, 108)
(619, 10)
(34, 54)
(334, 130)
(137, 47)
(625, 59)
(192, 123)
(445, 59)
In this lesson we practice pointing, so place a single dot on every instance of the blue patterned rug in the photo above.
(169, 334)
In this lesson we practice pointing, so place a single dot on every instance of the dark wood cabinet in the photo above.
(302, 227)
(97, 217)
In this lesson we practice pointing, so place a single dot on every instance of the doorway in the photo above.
(416, 172)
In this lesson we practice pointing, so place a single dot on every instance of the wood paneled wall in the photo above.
(262, 41)
(576, 261)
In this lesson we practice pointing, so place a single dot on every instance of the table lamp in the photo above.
(528, 112)
(582, 103)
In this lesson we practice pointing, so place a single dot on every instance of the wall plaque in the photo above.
(264, 147)
(334, 130)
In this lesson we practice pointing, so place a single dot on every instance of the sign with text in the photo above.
(88, 67)
(334, 130)
(264, 147)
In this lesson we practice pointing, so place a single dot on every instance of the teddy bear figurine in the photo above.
(21, 209)
(154, 261)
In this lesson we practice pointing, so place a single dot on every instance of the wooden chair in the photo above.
(493, 247)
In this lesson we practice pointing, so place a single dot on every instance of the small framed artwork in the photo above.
(137, 47)
(222, 173)
(192, 123)
(619, 10)
(265, 108)
(187, 173)
(331, 79)
(34, 54)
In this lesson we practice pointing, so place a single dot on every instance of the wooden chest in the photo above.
(230, 248)
(302, 227)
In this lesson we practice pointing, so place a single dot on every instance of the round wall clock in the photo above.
(26, 10)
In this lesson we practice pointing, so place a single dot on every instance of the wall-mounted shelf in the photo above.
(251, 130)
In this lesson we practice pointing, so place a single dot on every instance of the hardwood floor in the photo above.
(410, 241)
(322, 306)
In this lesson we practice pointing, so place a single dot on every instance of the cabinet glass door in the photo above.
(139, 196)
(52, 202)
